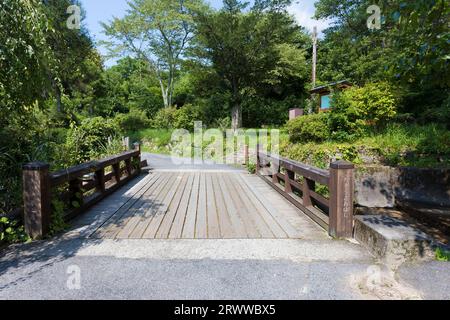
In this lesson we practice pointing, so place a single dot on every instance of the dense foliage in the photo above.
(309, 128)
(410, 51)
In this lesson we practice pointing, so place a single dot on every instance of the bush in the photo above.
(312, 127)
(164, 118)
(186, 116)
(183, 118)
(133, 121)
(84, 142)
(356, 109)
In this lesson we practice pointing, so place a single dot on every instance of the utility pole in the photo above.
(314, 57)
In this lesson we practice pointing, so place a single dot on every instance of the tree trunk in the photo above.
(164, 94)
(58, 100)
(236, 117)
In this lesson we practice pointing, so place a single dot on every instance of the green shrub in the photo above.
(173, 118)
(442, 255)
(164, 118)
(312, 127)
(356, 109)
(84, 142)
(11, 231)
(186, 116)
(133, 121)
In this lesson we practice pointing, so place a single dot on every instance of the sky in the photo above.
(103, 10)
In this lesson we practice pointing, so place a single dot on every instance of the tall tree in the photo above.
(73, 48)
(27, 68)
(26, 62)
(250, 48)
(159, 33)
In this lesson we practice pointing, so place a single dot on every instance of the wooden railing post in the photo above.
(341, 199)
(116, 170)
(36, 199)
(246, 155)
(288, 177)
(100, 176)
(137, 147)
(308, 186)
(128, 168)
(258, 160)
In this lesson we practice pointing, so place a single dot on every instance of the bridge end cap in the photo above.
(342, 164)
(37, 165)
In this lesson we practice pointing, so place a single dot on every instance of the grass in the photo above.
(396, 145)
(153, 140)
(442, 255)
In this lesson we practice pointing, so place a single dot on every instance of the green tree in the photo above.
(250, 50)
(157, 32)
(410, 49)
(28, 69)
(79, 63)
(128, 85)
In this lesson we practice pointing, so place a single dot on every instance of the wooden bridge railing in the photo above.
(298, 183)
(78, 187)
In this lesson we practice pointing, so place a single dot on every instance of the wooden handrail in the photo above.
(65, 175)
(79, 187)
(334, 214)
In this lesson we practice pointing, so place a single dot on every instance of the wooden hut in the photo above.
(324, 93)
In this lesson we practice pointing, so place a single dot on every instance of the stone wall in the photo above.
(384, 187)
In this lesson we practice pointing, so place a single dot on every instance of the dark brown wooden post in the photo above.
(288, 177)
(116, 170)
(137, 146)
(258, 160)
(275, 170)
(36, 199)
(128, 167)
(308, 186)
(246, 155)
(100, 177)
(341, 199)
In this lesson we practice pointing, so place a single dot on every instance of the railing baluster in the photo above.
(308, 186)
(100, 177)
(258, 160)
(116, 170)
(137, 147)
(288, 177)
(128, 167)
(275, 170)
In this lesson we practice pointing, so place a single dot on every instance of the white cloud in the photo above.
(303, 12)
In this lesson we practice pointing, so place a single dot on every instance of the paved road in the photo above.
(164, 162)
(206, 269)
(74, 266)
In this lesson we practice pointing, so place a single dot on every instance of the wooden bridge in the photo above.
(280, 202)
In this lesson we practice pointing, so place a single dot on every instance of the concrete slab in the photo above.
(392, 240)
